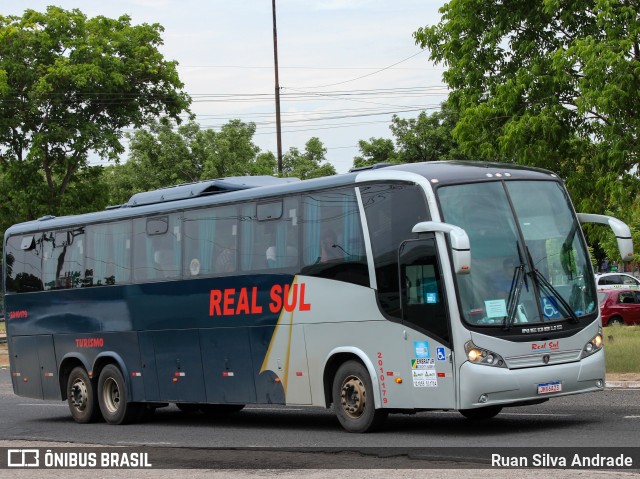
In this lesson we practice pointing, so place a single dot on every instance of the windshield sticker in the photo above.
(422, 349)
(550, 307)
(496, 308)
(440, 354)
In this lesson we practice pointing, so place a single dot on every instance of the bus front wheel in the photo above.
(353, 401)
(112, 396)
(81, 397)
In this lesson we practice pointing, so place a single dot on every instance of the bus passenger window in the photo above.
(63, 257)
(333, 243)
(210, 241)
(392, 211)
(108, 256)
(23, 264)
(157, 248)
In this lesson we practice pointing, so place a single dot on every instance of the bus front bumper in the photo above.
(491, 386)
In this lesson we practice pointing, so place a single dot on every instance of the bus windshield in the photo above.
(528, 261)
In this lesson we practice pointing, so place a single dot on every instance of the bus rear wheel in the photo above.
(81, 397)
(353, 399)
(112, 396)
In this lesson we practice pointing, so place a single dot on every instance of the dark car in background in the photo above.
(619, 306)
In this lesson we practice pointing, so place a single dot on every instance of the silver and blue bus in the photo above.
(404, 288)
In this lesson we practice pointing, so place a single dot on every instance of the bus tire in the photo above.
(481, 413)
(81, 397)
(112, 397)
(353, 399)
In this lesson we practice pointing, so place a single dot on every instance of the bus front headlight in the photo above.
(483, 356)
(593, 346)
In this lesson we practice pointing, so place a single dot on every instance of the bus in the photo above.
(461, 286)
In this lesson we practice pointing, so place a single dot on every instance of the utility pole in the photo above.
(275, 61)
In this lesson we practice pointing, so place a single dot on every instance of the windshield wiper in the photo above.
(544, 282)
(519, 277)
(514, 296)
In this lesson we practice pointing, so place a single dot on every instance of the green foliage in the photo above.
(310, 163)
(547, 83)
(164, 155)
(424, 138)
(231, 152)
(68, 87)
(427, 137)
(374, 151)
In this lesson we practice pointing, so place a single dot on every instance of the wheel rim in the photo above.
(111, 395)
(353, 397)
(79, 395)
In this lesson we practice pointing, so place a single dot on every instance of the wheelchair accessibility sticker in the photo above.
(549, 307)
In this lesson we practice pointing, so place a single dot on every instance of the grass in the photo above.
(621, 346)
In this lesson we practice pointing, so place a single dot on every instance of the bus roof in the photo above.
(238, 189)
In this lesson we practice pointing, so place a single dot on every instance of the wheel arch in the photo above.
(68, 363)
(339, 356)
(616, 319)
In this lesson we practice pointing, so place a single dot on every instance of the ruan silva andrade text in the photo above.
(232, 301)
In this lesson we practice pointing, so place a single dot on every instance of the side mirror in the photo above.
(460, 246)
(620, 229)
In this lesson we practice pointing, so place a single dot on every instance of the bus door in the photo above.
(427, 329)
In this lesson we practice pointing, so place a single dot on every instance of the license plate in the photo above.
(548, 388)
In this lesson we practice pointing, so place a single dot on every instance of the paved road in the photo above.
(611, 419)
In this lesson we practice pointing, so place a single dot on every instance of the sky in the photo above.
(345, 66)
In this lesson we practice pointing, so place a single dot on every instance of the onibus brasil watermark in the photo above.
(67, 459)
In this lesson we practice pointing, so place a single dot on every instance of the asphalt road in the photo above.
(608, 419)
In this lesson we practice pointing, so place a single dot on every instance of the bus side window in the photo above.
(332, 239)
(63, 259)
(157, 247)
(210, 241)
(392, 211)
(24, 264)
(270, 237)
(108, 256)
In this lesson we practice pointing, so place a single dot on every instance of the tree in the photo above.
(159, 156)
(549, 83)
(424, 138)
(374, 151)
(233, 153)
(164, 154)
(69, 85)
(307, 164)
(427, 137)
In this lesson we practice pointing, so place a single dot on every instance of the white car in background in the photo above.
(616, 280)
